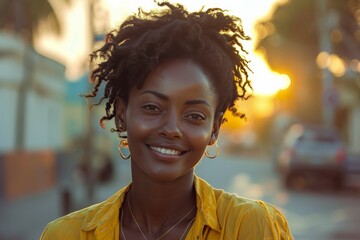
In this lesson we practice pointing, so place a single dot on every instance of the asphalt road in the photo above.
(313, 213)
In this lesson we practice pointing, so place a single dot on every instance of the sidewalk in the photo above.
(25, 218)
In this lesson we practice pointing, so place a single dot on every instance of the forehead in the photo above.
(175, 76)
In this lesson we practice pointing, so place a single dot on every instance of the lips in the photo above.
(167, 150)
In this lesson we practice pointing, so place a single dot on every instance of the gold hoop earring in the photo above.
(123, 144)
(216, 151)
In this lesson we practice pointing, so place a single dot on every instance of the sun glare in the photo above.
(74, 52)
(267, 82)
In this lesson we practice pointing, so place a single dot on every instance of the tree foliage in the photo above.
(25, 16)
(290, 43)
(297, 23)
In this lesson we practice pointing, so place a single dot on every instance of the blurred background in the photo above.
(299, 147)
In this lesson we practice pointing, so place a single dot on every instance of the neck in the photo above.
(155, 203)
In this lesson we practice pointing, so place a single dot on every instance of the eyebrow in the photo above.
(164, 97)
(157, 94)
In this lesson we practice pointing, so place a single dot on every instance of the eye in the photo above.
(196, 116)
(151, 108)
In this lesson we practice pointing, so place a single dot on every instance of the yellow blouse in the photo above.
(220, 216)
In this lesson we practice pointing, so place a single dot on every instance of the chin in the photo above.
(166, 176)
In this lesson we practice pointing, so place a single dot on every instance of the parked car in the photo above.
(311, 152)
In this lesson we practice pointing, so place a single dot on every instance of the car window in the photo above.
(321, 135)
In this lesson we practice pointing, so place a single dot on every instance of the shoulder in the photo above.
(245, 206)
(68, 226)
(251, 219)
(71, 226)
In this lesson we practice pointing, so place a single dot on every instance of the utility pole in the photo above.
(89, 131)
(326, 21)
(95, 17)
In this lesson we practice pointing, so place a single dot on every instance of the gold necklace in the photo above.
(142, 233)
(123, 234)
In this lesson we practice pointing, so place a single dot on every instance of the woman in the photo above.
(170, 75)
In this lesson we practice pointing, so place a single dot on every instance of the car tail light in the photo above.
(340, 155)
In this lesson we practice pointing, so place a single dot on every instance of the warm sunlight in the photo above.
(265, 81)
(74, 53)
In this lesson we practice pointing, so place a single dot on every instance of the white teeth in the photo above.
(166, 151)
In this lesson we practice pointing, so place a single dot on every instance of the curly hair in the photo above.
(209, 37)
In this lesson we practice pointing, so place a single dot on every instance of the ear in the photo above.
(216, 128)
(120, 114)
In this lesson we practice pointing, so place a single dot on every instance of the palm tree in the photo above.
(24, 18)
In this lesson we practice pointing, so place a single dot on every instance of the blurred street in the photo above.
(317, 214)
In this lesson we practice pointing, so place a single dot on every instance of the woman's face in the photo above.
(170, 120)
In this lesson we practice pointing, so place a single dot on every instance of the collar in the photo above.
(103, 217)
(206, 203)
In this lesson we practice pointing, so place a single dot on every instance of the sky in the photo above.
(73, 47)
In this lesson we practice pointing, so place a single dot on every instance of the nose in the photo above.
(170, 126)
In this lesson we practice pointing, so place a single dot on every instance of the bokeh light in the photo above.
(333, 62)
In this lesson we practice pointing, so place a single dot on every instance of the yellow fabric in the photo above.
(220, 216)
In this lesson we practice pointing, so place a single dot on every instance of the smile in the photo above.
(166, 151)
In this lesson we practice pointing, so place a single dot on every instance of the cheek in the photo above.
(135, 121)
(135, 131)
(200, 136)
(138, 125)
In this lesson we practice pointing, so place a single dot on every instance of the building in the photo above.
(31, 114)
